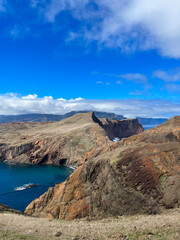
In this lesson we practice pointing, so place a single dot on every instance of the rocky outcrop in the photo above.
(65, 201)
(122, 128)
(5, 208)
(140, 174)
(62, 143)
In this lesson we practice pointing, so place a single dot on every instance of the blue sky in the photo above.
(62, 55)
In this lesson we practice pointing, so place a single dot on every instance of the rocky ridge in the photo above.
(139, 174)
(7, 209)
(67, 142)
(38, 117)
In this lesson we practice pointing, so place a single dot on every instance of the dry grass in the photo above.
(163, 226)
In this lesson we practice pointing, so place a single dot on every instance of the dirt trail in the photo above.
(163, 226)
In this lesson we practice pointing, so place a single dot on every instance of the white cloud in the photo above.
(30, 96)
(54, 8)
(72, 36)
(168, 76)
(139, 79)
(172, 87)
(143, 24)
(134, 77)
(127, 24)
(18, 31)
(136, 93)
(119, 82)
(76, 99)
(101, 82)
(11, 104)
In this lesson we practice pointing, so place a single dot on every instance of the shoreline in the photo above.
(8, 162)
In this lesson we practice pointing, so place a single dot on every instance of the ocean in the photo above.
(21, 184)
(149, 126)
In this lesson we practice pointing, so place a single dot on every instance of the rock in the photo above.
(121, 129)
(136, 175)
(118, 236)
(5, 208)
(58, 234)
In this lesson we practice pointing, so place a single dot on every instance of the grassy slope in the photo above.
(164, 226)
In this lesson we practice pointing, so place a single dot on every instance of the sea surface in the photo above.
(21, 184)
(149, 126)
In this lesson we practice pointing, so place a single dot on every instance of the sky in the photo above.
(120, 56)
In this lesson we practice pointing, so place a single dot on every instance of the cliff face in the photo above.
(140, 174)
(122, 128)
(64, 142)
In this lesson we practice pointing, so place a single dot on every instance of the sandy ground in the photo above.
(163, 226)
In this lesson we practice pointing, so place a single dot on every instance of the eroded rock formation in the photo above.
(140, 174)
(64, 142)
(121, 128)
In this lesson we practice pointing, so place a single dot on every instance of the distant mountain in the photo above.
(30, 118)
(50, 117)
(151, 121)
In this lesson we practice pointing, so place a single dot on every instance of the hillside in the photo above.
(137, 175)
(66, 142)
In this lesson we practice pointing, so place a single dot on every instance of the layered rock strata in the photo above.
(140, 174)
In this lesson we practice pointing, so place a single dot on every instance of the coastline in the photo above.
(28, 181)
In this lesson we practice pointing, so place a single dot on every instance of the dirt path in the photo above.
(164, 226)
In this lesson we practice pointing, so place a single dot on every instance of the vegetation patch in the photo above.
(162, 178)
(16, 236)
(159, 234)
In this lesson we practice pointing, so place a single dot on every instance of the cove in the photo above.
(21, 184)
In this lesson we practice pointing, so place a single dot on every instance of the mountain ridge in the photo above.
(51, 117)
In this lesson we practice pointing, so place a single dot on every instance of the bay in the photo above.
(21, 184)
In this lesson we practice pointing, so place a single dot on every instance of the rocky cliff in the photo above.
(121, 128)
(66, 142)
(140, 174)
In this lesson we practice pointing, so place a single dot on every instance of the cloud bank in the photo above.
(12, 104)
(125, 24)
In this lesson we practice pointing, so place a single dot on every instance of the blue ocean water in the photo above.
(14, 180)
(149, 126)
